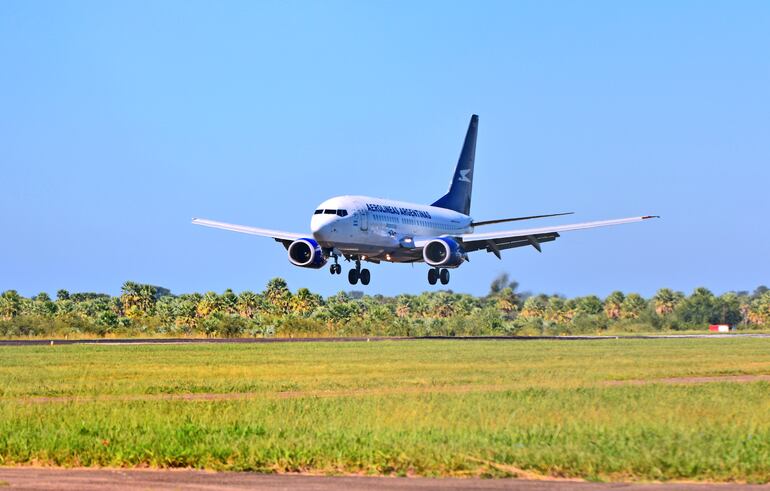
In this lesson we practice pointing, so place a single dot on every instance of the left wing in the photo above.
(494, 242)
(280, 236)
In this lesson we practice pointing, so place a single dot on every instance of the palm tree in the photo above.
(556, 310)
(403, 306)
(730, 308)
(612, 304)
(570, 309)
(420, 304)
(147, 295)
(42, 305)
(137, 299)
(129, 295)
(185, 310)
(466, 304)
(164, 309)
(700, 308)
(759, 312)
(442, 305)
(10, 304)
(590, 305)
(248, 304)
(304, 302)
(507, 302)
(64, 307)
(534, 307)
(208, 304)
(666, 300)
(229, 301)
(277, 295)
(340, 308)
(745, 308)
(632, 306)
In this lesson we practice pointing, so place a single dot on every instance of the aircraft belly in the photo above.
(379, 242)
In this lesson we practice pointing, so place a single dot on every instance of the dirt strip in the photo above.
(453, 389)
(209, 396)
(693, 380)
(28, 478)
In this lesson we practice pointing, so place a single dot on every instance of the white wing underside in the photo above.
(262, 232)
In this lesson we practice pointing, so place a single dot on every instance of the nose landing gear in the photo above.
(436, 274)
(335, 268)
(359, 274)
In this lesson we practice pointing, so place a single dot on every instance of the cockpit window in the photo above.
(339, 213)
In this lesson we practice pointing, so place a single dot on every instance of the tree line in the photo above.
(147, 310)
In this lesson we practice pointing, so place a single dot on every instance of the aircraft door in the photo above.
(363, 220)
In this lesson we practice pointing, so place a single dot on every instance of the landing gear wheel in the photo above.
(338, 269)
(432, 276)
(353, 276)
(333, 269)
(365, 276)
(444, 276)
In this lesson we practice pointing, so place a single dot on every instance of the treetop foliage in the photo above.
(143, 309)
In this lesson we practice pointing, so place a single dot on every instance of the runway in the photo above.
(139, 341)
(32, 478)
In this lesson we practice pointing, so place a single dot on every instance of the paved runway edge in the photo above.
(109, 341)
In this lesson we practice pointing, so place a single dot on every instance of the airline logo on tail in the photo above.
(464, 175)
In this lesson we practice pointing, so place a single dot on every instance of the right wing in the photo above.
(494, 242)
(284, 237)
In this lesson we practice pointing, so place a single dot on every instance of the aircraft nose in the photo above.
(321, 226)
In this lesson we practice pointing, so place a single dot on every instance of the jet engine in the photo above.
(306, 253)
(444, 252)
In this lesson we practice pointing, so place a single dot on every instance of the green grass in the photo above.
(427, 407)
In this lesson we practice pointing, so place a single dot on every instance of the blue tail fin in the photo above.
(459, 196)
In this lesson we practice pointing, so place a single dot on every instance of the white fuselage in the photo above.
(382, 229)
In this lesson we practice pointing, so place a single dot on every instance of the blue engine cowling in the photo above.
(306, 253)
(443, 252)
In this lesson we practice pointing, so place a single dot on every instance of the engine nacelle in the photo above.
(443, 252)
(306, 253)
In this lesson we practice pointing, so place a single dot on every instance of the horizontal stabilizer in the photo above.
(516, 219)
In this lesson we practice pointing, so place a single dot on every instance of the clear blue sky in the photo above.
(119, 121)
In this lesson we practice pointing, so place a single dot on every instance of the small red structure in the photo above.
(721, 327)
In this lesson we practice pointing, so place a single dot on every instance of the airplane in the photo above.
(362, 228)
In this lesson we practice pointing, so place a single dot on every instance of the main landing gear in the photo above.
(435, 274)
(359, 274)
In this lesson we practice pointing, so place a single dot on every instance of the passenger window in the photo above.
(330, 212)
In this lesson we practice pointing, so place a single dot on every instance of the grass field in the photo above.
(565, 409)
